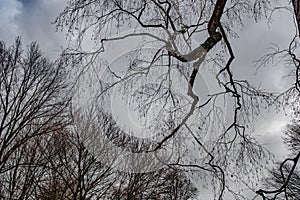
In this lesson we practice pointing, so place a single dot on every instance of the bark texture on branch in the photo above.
(296, 5)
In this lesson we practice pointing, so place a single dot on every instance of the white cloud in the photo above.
(9, 10)
(270, 130)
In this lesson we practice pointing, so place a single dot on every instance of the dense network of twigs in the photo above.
(171, 27)
(52, 147)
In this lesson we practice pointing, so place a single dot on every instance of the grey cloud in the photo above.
(9, 10)
(31, 20)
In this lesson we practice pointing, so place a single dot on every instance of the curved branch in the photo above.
(286, 181)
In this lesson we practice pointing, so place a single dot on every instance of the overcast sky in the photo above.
(32, 19)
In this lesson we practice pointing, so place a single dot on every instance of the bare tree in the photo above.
(42, 158)
(167, 183)
(283, 181)
(166, 76)
(33, 102)
(20, 181)
(71, 171)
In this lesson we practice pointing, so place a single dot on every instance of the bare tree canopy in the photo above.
(32, 97)
(284, 179)
(33, 103)
(148, 102)
(160, 82)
